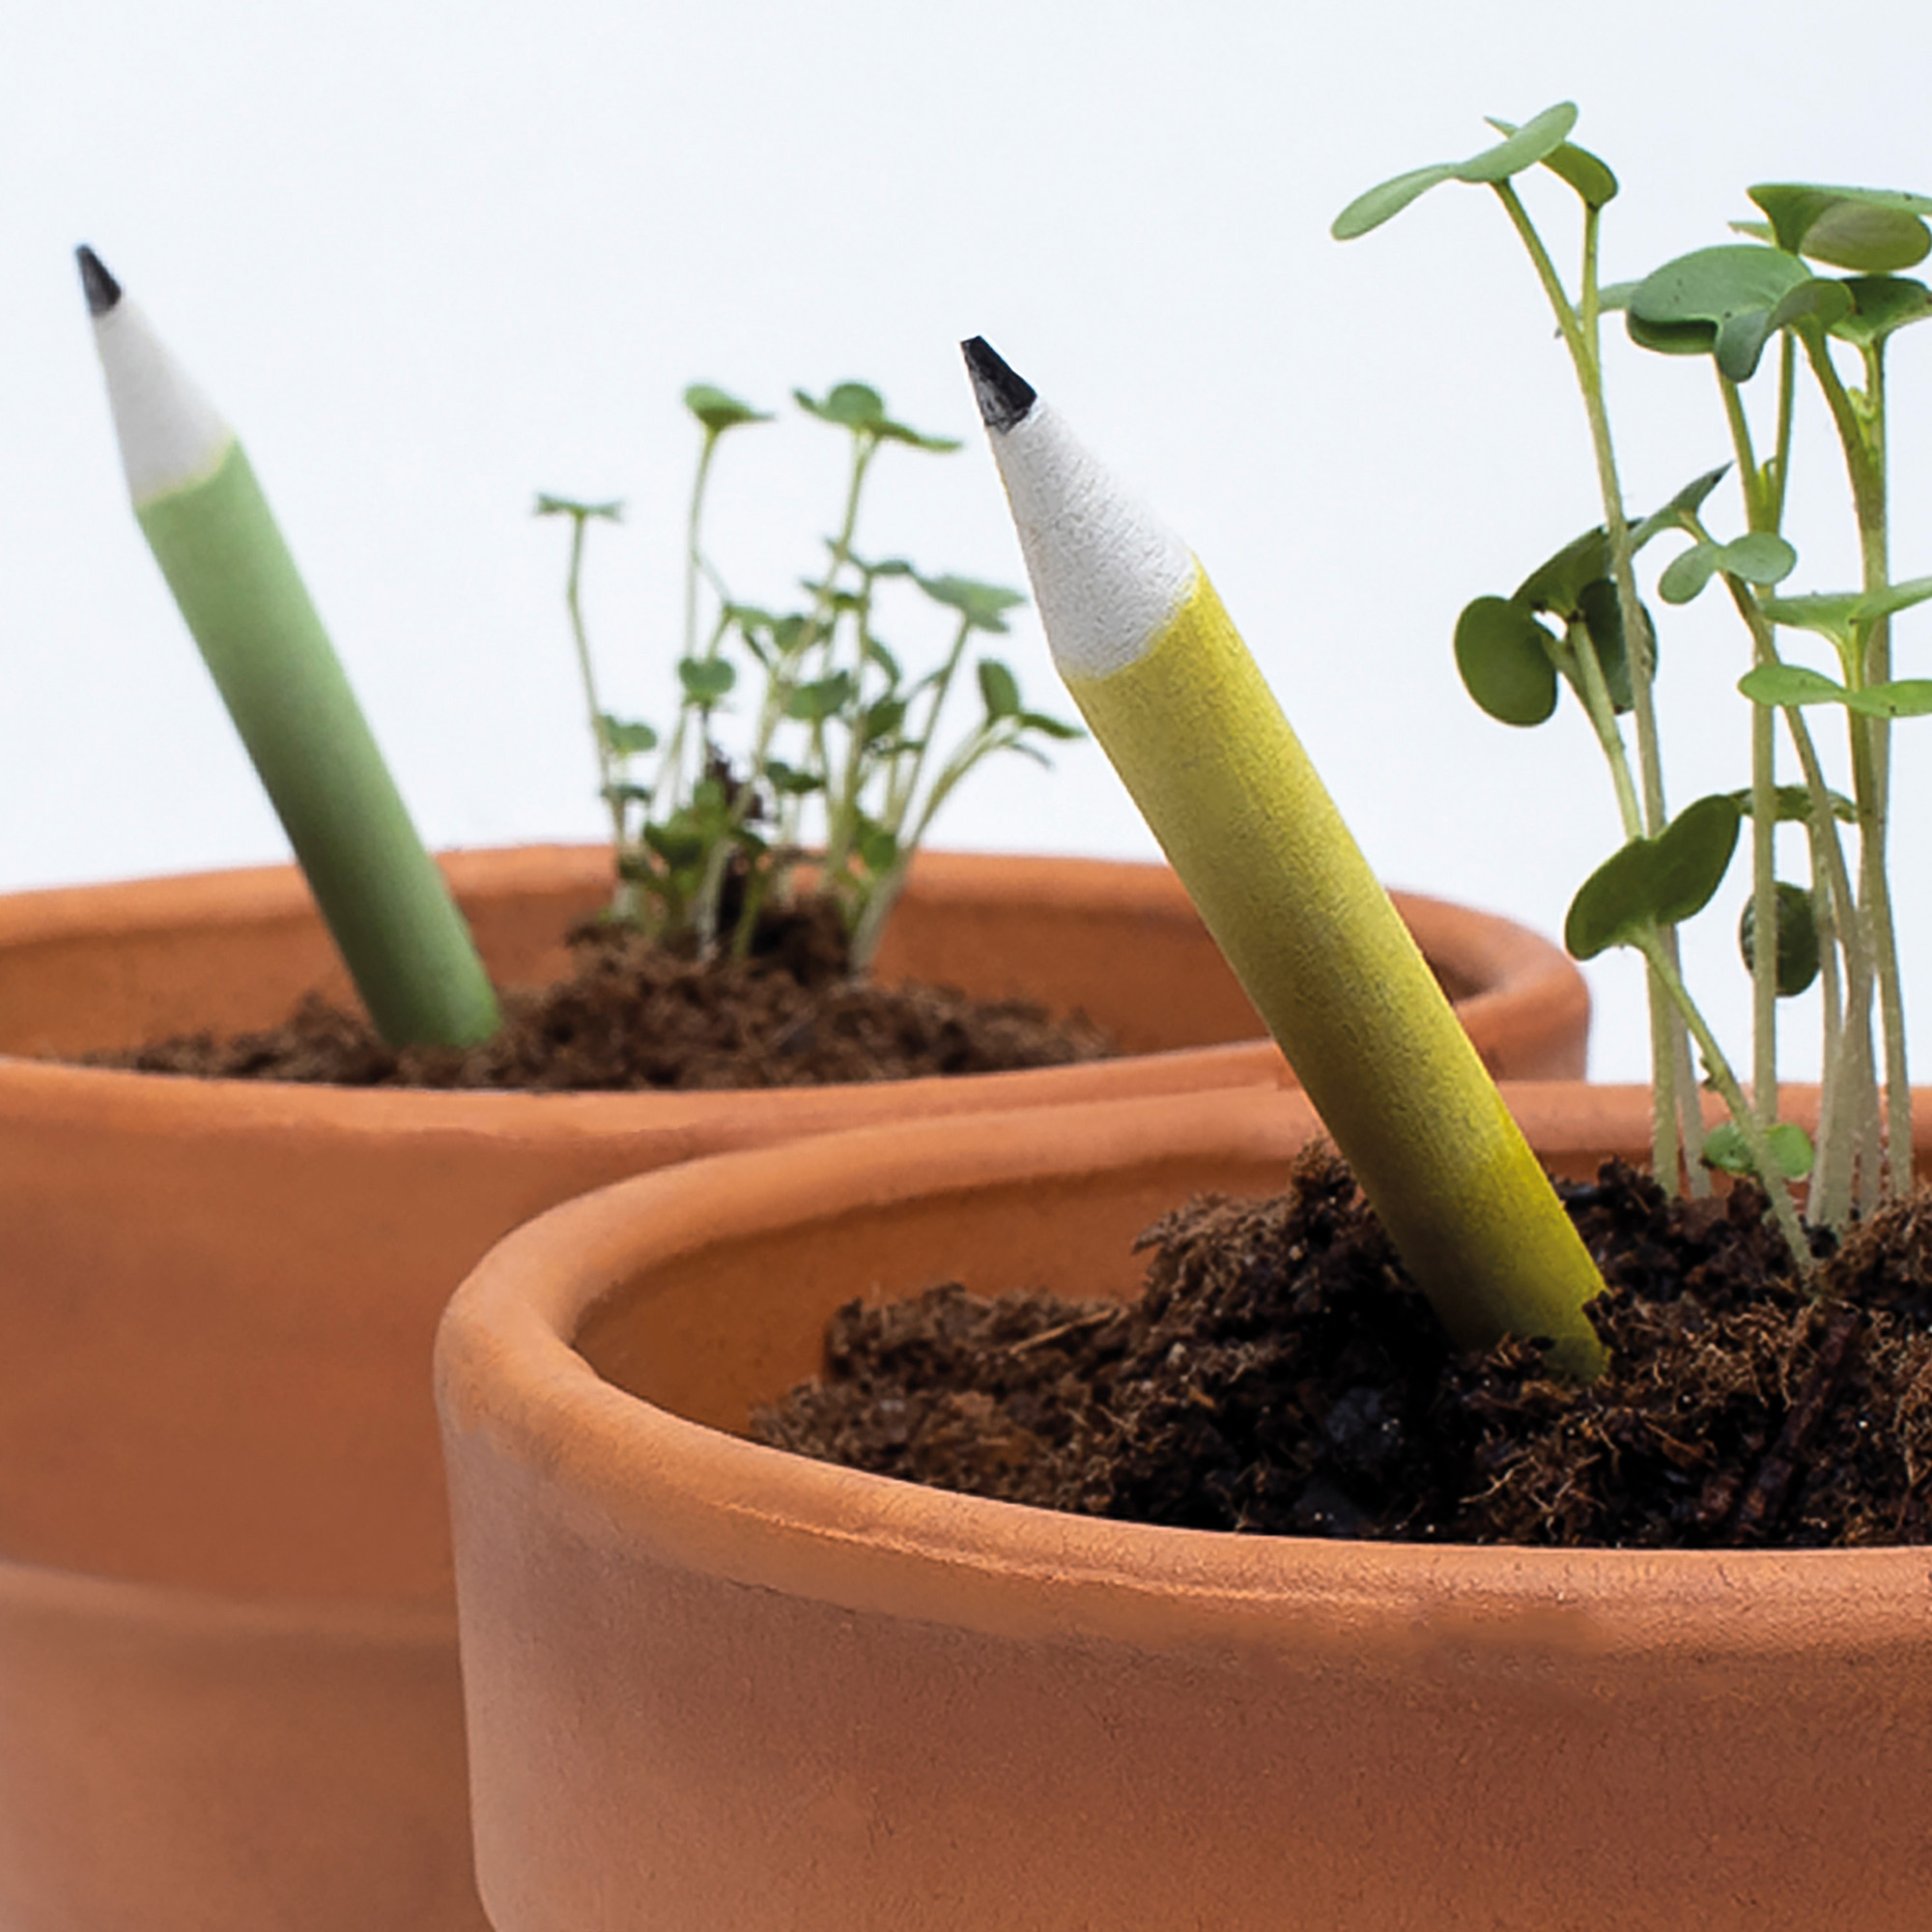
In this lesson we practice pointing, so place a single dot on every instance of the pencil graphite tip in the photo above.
(1005, 398)
(101, 288)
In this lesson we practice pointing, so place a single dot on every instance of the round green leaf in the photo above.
(1507, 661)
(1758, 556)
(718, 409)
(1718, 300)
(1792, 805)
(1881, 305)
(1523, 149)
(627, 737)
(1796, 938)
(1685, 575)
(706, 680)
(1657, 881)
(1872, 230)
(822, 698)
(1693, 856)
(1533, 142)
(1556, 585)
(1601, 612)
(1583, 171)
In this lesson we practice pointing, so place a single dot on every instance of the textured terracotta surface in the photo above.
(216, 1307)
(712, 1685)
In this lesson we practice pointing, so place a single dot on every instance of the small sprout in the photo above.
(1727, 1149)
(833, 742)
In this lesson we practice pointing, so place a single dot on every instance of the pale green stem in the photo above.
(1862, 436)
(1770, 1175)
(1579, 336)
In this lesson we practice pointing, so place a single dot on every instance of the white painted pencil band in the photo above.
(1180, 708)
(195, 496)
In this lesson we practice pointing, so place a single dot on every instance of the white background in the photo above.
(431, 258)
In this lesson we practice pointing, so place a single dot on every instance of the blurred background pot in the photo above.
(228, 1683)
(710, 1683)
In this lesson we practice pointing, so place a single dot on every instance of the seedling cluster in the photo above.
(838, 756)
(1578, 620)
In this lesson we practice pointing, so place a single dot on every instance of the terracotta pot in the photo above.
(228, 1687)
(713, 1686)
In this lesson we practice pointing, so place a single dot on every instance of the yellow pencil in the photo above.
(1178, 705)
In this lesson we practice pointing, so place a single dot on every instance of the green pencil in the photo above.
(195, 496)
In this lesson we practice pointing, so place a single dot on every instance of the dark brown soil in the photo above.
(1281, 1375)
(632, 1015)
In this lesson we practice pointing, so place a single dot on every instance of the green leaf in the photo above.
(1829, 614)
(1727, 1150)
(1389, 199)
(1758, 556)
(849, 405)
(982, 605)
(1786, 684)
(1685, 575)
(1557, 584)
(822, 698)
(569, 506)
(999, 689)
(877, 845)
(790, 781)
(1902, 697)
(706, 680)
(1683, 506)
(1718, 300)
(1530, 144)
(1600, 611)
(882, 718)
(677, 845)
(1582, 170)
(1835, 613)
(627, 737)
(719, 410)
(1880, 305)
(1793, 805)
(1507, 661)
(1533, 142)
(860, 407)
(1797, 950)
(1657, 881)
(879, 654)
(1049, 726)
(1874, 231)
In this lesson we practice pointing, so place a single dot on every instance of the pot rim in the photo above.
(507, 1373)
(1516, 963)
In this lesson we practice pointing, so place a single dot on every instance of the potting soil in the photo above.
(1279, 1374)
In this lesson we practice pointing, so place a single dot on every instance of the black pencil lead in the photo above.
(101, 288)
(1005, 398)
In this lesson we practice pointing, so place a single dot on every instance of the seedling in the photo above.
(1578, 620)
(839, 757)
